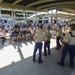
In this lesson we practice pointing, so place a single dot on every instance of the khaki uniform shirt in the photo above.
(39, 36)
(48, 36)
(69, 39)
(59, 32)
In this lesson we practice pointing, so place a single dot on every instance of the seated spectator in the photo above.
(2, 35)
(6, 28)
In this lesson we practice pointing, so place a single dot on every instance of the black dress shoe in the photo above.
(49, 53)
(40, 61)
(34, 60)
(44, 54)
(57, 48)
(60, 64)
(71, 66)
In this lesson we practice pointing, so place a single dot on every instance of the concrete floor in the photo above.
(16, 59)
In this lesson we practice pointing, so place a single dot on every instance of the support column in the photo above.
(48, 18)
(51, 17)
(56, 17)
(13, 16)
(43, 20)
(69, 19)
(36, 17)
(26, 16)
(0, 12)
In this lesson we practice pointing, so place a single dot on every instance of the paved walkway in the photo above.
(16, 59)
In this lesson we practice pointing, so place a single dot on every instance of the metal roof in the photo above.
(39, 5)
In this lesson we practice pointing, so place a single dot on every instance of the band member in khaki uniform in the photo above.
(69, 46)
(38, 37)
(47, 42)
(59, 33)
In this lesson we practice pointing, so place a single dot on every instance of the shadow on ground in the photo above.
(27, 67)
